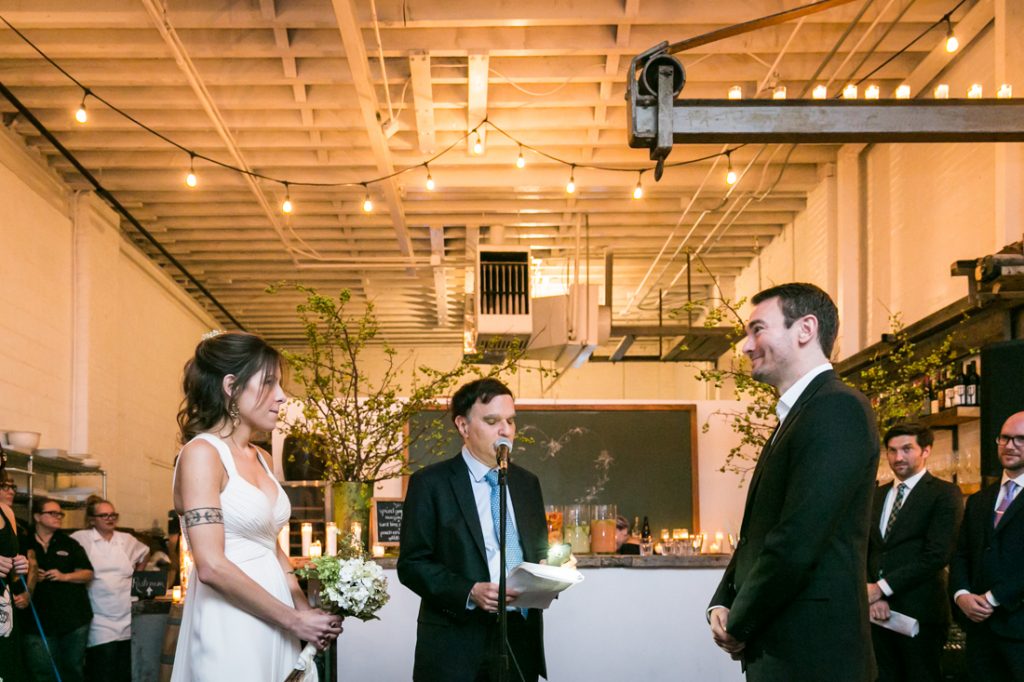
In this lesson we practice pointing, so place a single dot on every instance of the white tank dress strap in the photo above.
(223, 450)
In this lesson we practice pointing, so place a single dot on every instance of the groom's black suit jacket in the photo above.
(795, 584)
(913, 557)
(442, 556)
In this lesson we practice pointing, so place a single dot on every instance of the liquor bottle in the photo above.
(959, 386)
(950, 389)
(926, 395)
(936, 403)
(635, 532)
(645, 533)
(972, 384)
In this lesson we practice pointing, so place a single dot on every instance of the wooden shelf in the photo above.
(952, 417)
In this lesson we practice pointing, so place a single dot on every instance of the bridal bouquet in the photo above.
(348, 585)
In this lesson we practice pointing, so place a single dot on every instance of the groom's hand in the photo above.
(725, 641)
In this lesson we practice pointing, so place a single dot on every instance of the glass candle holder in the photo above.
(576, 527)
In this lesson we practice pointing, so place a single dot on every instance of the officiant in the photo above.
(450, 548)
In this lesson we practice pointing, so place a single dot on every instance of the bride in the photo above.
(244, 612)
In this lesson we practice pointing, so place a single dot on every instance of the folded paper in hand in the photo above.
(538, 584)
(898, 622)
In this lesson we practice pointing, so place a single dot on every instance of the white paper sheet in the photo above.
(538, 584)
(898, 622)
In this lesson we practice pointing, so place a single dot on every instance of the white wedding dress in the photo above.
(218, 641)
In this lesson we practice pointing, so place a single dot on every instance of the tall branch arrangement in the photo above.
(358, 425)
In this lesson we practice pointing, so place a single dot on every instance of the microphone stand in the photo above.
(503, 662)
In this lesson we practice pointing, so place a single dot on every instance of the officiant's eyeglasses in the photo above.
(107, 517)
(1004, 440)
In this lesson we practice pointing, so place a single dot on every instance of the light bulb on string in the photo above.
(638, 191)
(430, 180)
(286, 205)
(82, 116)
(520, 160)
(191, 180)
(730, 173)
(952, 44)
(570, 187)
(478, 144)
(367, 201)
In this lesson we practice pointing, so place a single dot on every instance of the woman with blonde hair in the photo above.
(114, 555)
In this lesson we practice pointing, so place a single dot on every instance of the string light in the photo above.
(82, 116)
(570, 187)
(286, 205)
(191, 180)
(478, 144)
(520, 160)
(952, 44)
(638, 191)
(730, 174)
(367, 202)
(430, 180)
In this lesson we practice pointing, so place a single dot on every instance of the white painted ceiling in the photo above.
(315, 91)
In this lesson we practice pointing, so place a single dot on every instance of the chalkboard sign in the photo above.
(149, 584)
(642, 458)
(386, 521)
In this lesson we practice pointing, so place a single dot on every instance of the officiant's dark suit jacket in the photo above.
(442, 556)
(795, 584)
(992, 558)
(913, 558)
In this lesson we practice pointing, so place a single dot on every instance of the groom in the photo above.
(450, 548)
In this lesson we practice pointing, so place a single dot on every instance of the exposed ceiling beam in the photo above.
(423, 100)
(440, 275)
(181, 58)
(479, 69)
(362, 82)
(967, 29)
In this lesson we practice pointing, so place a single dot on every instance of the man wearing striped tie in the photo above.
(450, 550)
(913, 534)
(987, 573)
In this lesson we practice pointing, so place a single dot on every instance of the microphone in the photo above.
(503, 448)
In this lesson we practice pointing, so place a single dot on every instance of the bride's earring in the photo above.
(234, 414)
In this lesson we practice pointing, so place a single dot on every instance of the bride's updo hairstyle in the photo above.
(205, 406)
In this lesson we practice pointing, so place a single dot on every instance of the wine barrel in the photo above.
(170, 642)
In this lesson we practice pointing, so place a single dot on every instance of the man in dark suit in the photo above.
(987, 573)
(450, 548)
(913, 534)
(792, 604)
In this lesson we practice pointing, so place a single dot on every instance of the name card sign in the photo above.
(386, 521)
(149, 584)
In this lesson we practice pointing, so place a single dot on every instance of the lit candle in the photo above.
(719, 536)
(942, 91)
(736, 92)
(664, 535)
(176, 594)
(871, 92)
(974, 92)
(378, 551)
(357, 535)
(677, 534)
(819, 92)
(686, 534)
(780, 92)
(307, 537)
(332, 539)
(850, 91)
(1005, 91)
(903, 92)
(715, 548)
(284, 539)
(315, 550)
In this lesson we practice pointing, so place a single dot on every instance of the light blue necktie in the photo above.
(513, 550)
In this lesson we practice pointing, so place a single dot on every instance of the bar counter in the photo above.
(632, 618)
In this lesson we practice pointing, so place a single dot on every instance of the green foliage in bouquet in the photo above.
(348, 584)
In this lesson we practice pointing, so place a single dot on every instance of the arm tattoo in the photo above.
(202, 515)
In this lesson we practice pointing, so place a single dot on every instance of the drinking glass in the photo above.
(602, 529)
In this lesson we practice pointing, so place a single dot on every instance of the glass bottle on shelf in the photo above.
(926, 395)
(949, 388)
(959, 385)
(972, 384)
(936, 404)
